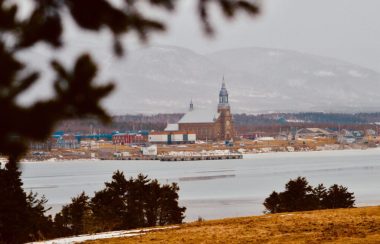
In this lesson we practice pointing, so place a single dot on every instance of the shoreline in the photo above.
(270, 152)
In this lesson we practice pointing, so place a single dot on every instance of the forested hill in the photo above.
(259, 80)
(159, 121)
(315, 118)
(120, 123)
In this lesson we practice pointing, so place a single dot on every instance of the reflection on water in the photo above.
(209, 177)
(38, 187)
(215, 171)
(220, 188)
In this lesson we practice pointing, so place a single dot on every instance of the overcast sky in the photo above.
(345, 29)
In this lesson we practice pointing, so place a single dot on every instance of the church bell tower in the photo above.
(226, 127)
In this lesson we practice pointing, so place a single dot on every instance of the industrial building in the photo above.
(172, 137)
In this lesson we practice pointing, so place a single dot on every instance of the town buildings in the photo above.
(58, 140)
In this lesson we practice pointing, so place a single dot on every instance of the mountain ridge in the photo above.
(163, 79)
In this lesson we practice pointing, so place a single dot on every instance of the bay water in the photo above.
(218, 188)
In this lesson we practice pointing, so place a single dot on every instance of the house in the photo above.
(311, 133)
(346, 137)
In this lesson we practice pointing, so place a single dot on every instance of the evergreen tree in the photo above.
(133, 203)
(14, 226)
(21, 215)
(108, 205)
(41, 226)
(272, 203)
(108, 210)
(75, 216)
(319, 194)
(60, 224)
(152, 203)
(170, 212)
(135, 198)
(300, 196)
(338, 197)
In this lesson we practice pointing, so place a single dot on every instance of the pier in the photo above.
(197, 157)
(180, 157)
(131, 158)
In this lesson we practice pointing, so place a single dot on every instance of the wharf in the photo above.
(199, 157)
(131, 158)
(194, 157)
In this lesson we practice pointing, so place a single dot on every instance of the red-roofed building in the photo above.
(125, 138)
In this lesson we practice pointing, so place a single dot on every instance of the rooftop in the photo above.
(199, 116)
(170, 133)
(314, 130)
(171, 127)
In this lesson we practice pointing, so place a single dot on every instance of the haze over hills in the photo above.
(290, 81)
(163, 79)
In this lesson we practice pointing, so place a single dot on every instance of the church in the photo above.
(214, 125)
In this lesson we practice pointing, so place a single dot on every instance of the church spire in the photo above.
(225, 119)
(223, 95)
(191, 105)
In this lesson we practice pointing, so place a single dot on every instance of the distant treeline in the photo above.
(272, 124)
(311, 117)
(121, 123)
(243, 122)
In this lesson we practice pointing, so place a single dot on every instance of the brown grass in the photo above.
(358, 225)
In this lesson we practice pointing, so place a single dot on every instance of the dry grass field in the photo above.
(358, 225)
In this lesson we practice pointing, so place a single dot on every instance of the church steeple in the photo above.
(191, 108)
(225, 119)
(223, 96)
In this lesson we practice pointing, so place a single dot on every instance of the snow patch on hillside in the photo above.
(356, 73)
(103, 235)
(324, 73)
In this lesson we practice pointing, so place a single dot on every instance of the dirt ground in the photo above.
(357, 225)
